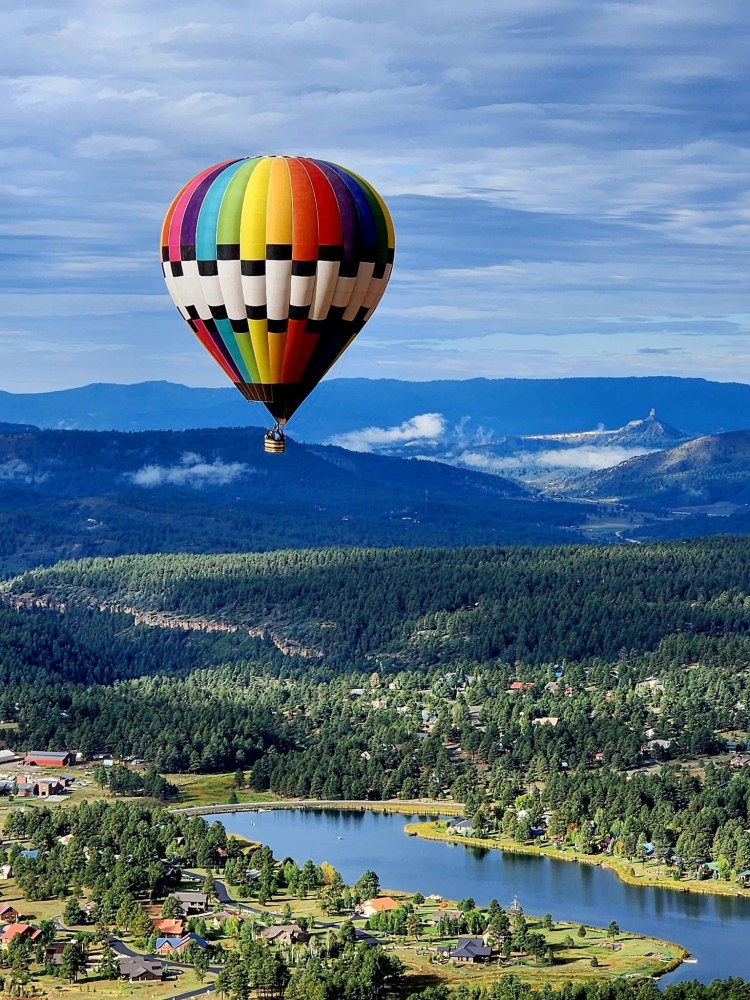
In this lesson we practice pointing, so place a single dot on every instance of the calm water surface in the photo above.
(714, 929)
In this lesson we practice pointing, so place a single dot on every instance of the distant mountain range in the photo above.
(649, 432)
(372, 412)
(66, 494)
(541, 460)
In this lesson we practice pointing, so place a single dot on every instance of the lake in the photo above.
(713, 929)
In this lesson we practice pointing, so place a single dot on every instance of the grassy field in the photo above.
(213, 789)
(648, 873)
(634, 956)
(116, 990)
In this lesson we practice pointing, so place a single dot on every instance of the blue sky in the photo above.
(568, 178)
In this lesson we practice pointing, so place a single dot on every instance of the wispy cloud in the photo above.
(585, 457)
(16, 470)
(191, 470)
(424, 428)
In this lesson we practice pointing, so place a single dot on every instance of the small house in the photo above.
(285, 934)
(470, 949)
(463, 826)
(379, 905)
(167, 946)
(8, 914)
(192, 902)
(219, 916)
(53, 953)
(27, 931)
(169, 928)
(139, 970)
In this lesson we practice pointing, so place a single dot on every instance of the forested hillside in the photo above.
(372, 673)
(709, 470)
(67, 494)
(525, 604)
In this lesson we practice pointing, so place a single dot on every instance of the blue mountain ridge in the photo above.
(499, 406)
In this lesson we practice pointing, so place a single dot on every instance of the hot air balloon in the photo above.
(276, 263)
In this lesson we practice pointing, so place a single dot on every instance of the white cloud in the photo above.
(16, 470)
(191, 470)
(586, 457)
(421, 429)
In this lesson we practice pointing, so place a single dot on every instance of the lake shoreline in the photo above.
(710, 928)
(704, 889)
(635, 955)
(426, 807)
(410, 807)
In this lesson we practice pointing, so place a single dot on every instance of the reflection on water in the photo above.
(712, 928)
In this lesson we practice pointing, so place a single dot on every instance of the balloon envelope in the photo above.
(276, 263)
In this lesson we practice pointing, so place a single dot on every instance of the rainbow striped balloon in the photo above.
(276, 263)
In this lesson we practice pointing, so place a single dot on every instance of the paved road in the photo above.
(194, 993)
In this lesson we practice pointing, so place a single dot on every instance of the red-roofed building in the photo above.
(13, 930)
(379, 905)
(521, 686)
(165, 927)
(45, 758)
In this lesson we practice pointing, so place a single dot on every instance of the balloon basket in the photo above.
(274, 442)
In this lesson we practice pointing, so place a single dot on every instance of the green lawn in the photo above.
(634, 956)
(117, 989)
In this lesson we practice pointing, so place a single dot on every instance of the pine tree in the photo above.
(109, 967)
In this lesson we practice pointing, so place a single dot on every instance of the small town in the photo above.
(185, 908)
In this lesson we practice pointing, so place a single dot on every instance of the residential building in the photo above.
(167, 946)
(28, 931)
(470, 949)
(139, 970)
(169, 928)
(192, 902)
(53, 953)
(8, 913)
(463, 826)
(285, 934)
(379, 905)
